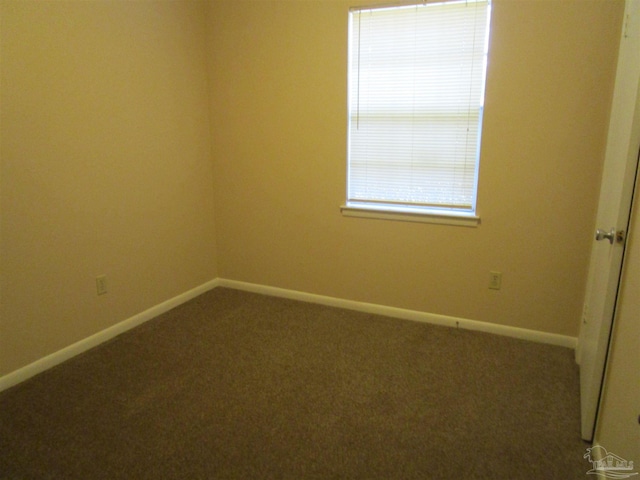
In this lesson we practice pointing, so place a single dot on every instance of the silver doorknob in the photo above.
(601, 235)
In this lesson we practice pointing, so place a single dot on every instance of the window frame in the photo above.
(449, 215)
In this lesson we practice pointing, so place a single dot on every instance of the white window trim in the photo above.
(460, 219)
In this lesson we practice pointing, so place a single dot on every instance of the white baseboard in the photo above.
(436, 319)
(66, 353)
(83, 345)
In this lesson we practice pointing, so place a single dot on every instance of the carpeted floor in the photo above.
(234, 385)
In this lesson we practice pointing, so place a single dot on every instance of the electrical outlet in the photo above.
(495, 280)
(101, 284)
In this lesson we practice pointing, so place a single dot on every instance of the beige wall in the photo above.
(279, 129)
(106, 166)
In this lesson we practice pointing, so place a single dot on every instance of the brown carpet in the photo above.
(233, 385)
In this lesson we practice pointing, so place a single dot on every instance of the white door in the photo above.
(616, 191)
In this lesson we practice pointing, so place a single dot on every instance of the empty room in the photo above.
(319, 239)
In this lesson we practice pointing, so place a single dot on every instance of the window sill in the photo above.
(381, 213)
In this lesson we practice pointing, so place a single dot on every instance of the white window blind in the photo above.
(416, 85)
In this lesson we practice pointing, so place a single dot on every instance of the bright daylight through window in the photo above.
(416, 93)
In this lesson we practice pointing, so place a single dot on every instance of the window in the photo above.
(416, 92)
